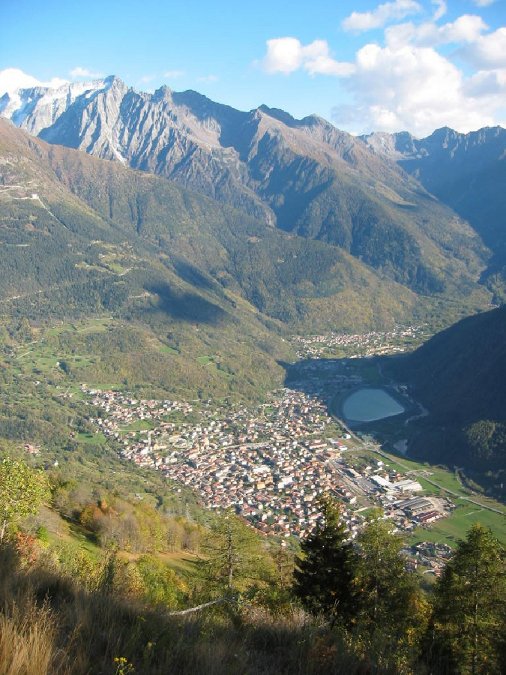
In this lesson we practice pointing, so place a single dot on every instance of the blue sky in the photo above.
(399, 64)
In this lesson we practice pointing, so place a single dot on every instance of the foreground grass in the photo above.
(51, 626)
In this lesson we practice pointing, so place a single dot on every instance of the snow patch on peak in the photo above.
(19, 105)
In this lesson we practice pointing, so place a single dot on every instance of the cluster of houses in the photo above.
(269, 464)
(429, 555)
(358, 345)
(123, 409)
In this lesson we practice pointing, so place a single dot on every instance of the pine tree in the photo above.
(470, 607)
(392, 614)
(324, 573)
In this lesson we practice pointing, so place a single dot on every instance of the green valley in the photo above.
(186, 310)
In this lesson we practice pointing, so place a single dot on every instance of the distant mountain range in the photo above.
(464, 171)
(302, 176)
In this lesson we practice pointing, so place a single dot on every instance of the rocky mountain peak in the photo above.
(303, 176)
(279, 115)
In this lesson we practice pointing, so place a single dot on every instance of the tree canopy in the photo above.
(22, 490)
(470, 607)
(232, 556)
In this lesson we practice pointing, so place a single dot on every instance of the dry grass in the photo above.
(50, 626)
(27, 641)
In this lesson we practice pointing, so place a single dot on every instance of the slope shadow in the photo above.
(332, 380)
(431, 437)
(184, 306)
(192, 275)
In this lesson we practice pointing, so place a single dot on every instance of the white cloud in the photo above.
(173, 74)
(441, 9)
(483, 3)
(284, 55)
(14, 78)
(79, 71)
(466, 29)
(416, 89)
(383, 14)
(486, 83)
(408, 82)
(287, 54)
(488, 51)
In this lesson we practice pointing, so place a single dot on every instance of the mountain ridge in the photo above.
(459, 375)
(468, 173)
(303, 176)
(218, 241)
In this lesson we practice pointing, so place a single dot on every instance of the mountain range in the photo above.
(302, 176)
(87, 205)
(464, 171)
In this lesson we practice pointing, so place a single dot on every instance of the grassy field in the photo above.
(91, 439)
(140, 425)
(42, 355)
(167, 349)
(180, 561)
(448, 530)
(61, 531)
(77, 537)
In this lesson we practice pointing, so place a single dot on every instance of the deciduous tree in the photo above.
(22, 490)
(232, 556)
(392, 614)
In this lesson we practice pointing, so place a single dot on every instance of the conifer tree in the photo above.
(470, 607)
(324, 573)
(392, 615)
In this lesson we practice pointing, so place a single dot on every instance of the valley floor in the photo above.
(270, 462)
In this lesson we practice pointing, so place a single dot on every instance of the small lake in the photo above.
(368, 405)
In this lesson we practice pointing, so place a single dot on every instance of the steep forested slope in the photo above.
(465, 171)
(460, 376)
(99, 223)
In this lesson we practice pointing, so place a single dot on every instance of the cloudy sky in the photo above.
(411, 65)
